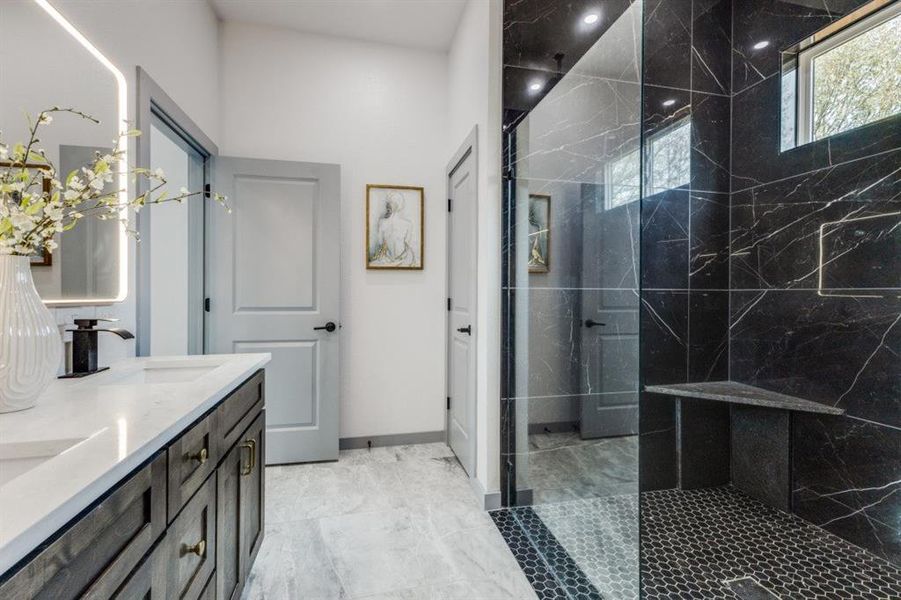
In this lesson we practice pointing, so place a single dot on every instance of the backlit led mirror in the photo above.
(46, 62)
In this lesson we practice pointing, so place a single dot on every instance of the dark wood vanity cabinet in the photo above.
(187, 524)
(240, 489)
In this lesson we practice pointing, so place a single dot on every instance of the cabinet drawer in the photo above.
(239, 409)
(192, 458)
(95, 555)
(209, 592)
(191, 542)
(148, 582)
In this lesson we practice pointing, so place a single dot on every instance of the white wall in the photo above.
(474, 92)
(387, 115)
(381, 113)
(177, 44)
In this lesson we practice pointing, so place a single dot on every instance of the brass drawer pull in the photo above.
(199, 549)
(200, 457)
(252, 446)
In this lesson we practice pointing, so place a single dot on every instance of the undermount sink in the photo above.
(165, 371)
(17, 458)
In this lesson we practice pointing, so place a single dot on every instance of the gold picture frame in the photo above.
(539, 253)
(44, 258)
(395, 241)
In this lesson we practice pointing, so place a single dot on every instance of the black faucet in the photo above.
(84, 345)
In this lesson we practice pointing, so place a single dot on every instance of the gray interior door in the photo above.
(609, 327)
(273, 275)
(461, 418)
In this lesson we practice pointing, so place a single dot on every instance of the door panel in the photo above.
(610, 385)
(461, 421)
(288, 281)
(274, 274)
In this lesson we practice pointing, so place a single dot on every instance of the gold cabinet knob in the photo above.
(201, 456)
(199, 549)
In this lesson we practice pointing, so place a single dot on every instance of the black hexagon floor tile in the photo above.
(708, 543)
(699, 543)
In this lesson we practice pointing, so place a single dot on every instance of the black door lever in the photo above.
(589, 323)
(330, 327)
(467, 330)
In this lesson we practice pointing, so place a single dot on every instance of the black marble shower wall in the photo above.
(819, 326)
(685, 242)
(761, 313)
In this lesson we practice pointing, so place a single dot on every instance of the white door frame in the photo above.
(153, 100)
(469, 147)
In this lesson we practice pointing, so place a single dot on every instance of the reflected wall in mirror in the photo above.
(43, 64)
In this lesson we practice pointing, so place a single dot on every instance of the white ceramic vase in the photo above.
(30, 344)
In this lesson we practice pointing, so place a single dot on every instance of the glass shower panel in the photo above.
(573, 215)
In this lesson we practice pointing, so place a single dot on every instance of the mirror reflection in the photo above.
(59, 71)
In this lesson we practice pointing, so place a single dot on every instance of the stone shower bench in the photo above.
(742, 393)
(730, 432)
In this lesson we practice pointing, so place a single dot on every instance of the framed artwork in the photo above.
(43, 258)
(394, 227)
(539, 233)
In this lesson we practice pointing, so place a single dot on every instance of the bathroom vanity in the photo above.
(144, 481)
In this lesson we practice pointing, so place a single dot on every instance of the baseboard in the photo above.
(525, 497)
(488, 500)
(397, 439)
(557, 427)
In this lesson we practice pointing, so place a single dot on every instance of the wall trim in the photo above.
(488, 500)
(554, 427)
(394, 439)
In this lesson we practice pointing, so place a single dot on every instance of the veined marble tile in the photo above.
(311, 491)
(391, 523)
(381, 552)
(458, 590)
(293, 563)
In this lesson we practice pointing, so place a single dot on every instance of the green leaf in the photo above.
(33, 209)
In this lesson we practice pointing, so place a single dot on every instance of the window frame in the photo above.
(608, 179)
(820, 43)
(645, 164)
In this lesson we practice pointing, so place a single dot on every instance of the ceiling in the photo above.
(426, 24)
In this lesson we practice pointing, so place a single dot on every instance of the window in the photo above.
(845, 76)
(623, 180)
(667, 166)
(668, 162)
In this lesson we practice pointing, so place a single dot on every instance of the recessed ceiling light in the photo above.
(591, 18)
(669, 102)
(535, 86)
(761, 45)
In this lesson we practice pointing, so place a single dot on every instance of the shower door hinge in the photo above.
(449, 203)
(206, 305)
(448, 304)
(448, 403)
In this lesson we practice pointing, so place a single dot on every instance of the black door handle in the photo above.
(589, 323)
(330, 327)
(467, 330)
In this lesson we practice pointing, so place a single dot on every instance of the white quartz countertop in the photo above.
(108, 424)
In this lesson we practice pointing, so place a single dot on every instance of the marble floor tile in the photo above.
(388, 523)
(382, 551)
(293, 563)
(564, 467)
